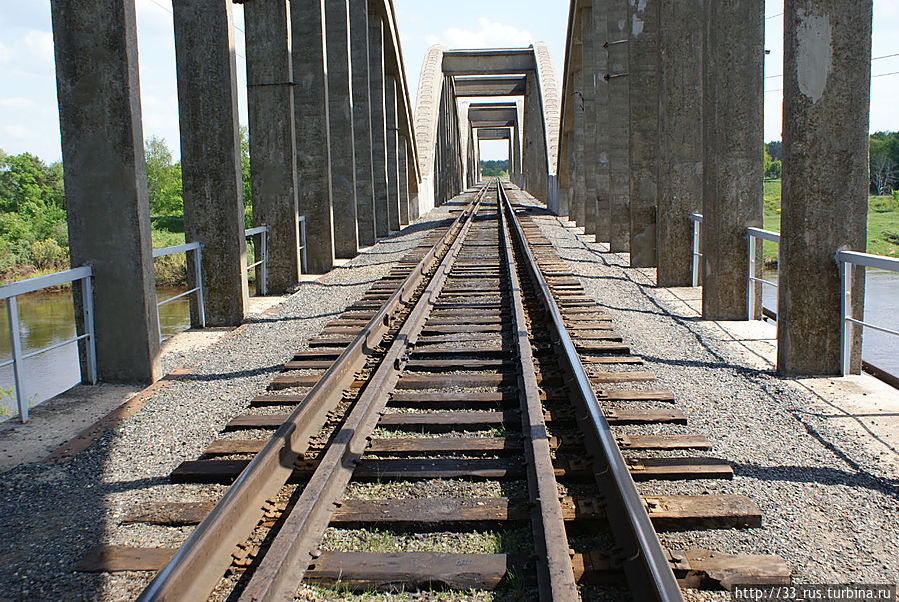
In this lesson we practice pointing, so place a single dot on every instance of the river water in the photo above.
(48, 318)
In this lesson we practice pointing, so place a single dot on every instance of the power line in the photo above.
(876, 58)
(872, 77)
(773, 16)
(169, 11)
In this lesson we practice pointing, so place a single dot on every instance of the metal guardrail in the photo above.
(696, 218)
(9, 292)
(192, 247)
(262, 233)
(844, 259)
(752, 234)
(302, 243)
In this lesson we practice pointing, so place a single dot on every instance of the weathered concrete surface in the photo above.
(393, 190)
(516, 153)
(362, 112)
(403, 179)
(680, 157)
(827, 79)
(340, 124)
(616, 45)
(376, 76)
(210, 155)
(273, 163)
(733, 167)
(591, 148)
(643, 128)
(601, 118)
(577, 162)
(307, 21)
(98, 91)
(534, 153)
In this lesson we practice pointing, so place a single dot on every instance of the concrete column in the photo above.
(340, 123)
(307, 21)
(564, 208)
(359, 57)
(600, 116)
(376, 76)
(827, 83)
(591, 149)
(616, 46)
(210, 154)
(515, 176)
(643, 77)
(272, 152)
(106, 181)
(733, 166)
(403, 180)
(393, 193)
(578, 187)
(680, 159)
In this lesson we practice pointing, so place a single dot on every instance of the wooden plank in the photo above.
(308, 365)
(448, 421)
(594, 338)
(169, 513)
(230, 447)
(621, 377)
(436, 350)
(276, 400)
(256, 421)
(611, 359)
(635, 395)
(644, 469)
(317, 354)
(663, 442)
(449, 400)
(436, 365)
(473, 319)
(685, 512)
(437, 381)
(707, 569)
(429, 512)
(439, 468)
(111, 559)
(460, 328)
(444, 445)
(588, 348)
(663, 415)
(457, 338)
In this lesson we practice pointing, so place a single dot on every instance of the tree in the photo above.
(163, 178)
(772, 166)
(883, 174)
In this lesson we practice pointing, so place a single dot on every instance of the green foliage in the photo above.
(772, 166)
(495, 168)
(163, 178)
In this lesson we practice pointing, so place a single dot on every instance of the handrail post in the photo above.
(198, 272)
(87, 302)
(15, 337)
(262, 287)
(695, 253)
(302, 220)
(845, 311)
(750, 283)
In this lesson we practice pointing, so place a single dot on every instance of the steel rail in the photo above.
(646, 563)
(200, 563)
(281, 570)
(555, 577)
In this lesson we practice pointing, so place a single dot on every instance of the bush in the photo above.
(48, 255)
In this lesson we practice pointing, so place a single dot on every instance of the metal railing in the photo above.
(696, 218)
(844, 259)
(9, 292)
(752, 234)
(195, 248)
(262, 281)
(302, 242)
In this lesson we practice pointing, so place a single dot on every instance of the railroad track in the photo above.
(476, 389)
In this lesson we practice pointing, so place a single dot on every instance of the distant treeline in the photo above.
(495, 168)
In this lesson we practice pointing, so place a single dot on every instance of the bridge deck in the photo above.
(817, 455)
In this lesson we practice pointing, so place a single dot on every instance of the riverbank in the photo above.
(883, 223)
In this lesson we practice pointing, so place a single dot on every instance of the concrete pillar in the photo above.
(307, 22)
(515, 176)
(564, 208)
(272, 152)
(733, 166)
(106, 181)
(340, 123)
(403, 180)
(393, 194)
(578, 164)
(210, 154)
(591, 149)
(600, 116)
(643, 148)
(616, 46)
(376, 76)
(359, 57)
(680, 159)
(827, 83)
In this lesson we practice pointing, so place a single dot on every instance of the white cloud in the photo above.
(16, 102)
(39, 44)
(17, 131)
(5, 54)
(489, 34)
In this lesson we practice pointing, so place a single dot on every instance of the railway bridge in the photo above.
(474, 384)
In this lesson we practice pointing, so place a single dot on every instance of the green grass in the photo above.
(883, 222)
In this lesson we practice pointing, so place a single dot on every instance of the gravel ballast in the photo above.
(52, 514)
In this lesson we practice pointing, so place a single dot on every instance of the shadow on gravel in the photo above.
(818, 474)
(264, 319)
(192, 377)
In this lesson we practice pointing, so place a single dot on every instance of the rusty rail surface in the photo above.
(199, 564)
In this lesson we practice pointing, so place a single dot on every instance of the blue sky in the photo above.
(28, 111)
